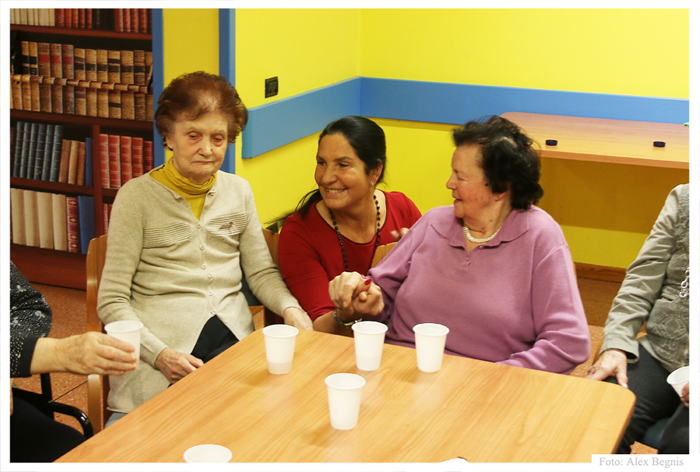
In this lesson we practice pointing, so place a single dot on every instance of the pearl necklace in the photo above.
(340, 238)
(471, 238)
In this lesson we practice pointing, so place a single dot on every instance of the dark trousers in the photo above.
(34, 437)
(656, 400)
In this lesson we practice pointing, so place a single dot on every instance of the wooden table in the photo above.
(604, 140)
(478, 410)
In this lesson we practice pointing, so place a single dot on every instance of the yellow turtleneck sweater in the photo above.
(194, 194)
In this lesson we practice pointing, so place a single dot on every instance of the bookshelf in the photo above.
(62, 267)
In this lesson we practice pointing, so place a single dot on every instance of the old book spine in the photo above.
(80, 177)
(45, 100)
(125, 158)
(126, 14)
(103, 103)
(56, 153)
(79, 64)
(68, 99)
(128, 110)
(104, 160)
(139, 67)
(90, 64)
(34, 82)
(147, 156)
(91, 101)
(73, 162)
(60, 19)
(149, 107)
(114, 66)
(72, 224)
(48, 153)
(67, 52)
(127, 67)
(82, 21)
(17, 92)
(28, 171)
(97, 16)
(143, 20)
(102, 67)
(60, 236)
(44, 58)
(57, 95)
(114, 162)
(105, 216)
(17, 152)
(25, 57)
(39, 152)
(148, 61)
(118, 20)
(135, 20)
(56, 60)
(140, 106)
(80, 101)
(76, 18)
(136, 156)
(33, 58)
(65, 160)
(26, 92)
(115, 104)
(24, 155)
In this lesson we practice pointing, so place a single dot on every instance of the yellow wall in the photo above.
(605, 211)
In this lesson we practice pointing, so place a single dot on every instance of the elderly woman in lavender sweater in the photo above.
(493, 268)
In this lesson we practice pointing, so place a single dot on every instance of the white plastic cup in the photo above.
(279, 347)
(344, 397)
(208, 453)
(430, 345)
(678, 378)
(369, 344)
(127, 330)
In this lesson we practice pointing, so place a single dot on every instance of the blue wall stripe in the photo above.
(227, 68)
(276, 124)
(437, 102)
(158, 79)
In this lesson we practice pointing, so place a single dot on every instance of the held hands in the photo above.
(355, 296)
(297, 318)
(611, 362)
(175, 365)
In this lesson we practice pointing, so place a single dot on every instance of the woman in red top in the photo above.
(337, 227)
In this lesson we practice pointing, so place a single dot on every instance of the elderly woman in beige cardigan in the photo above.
(178, 239)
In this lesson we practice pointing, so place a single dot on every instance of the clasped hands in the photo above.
(355, 296)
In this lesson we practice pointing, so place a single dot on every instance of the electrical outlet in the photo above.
(271, 87)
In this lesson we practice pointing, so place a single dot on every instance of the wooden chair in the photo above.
(98, 385)
(381, 252)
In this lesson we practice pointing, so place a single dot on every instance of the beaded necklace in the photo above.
(340, 238)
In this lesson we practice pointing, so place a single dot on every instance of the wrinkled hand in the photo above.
(611, 362)
(95, 353)
(175, 365)
(685, 395)
(355, 296)
(297, 318)
(398, 234)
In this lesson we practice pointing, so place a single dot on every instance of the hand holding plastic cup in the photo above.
(430, 345)
(279, 347)
(127, 330)
(369, 344)
(208, 453)
(344, 397)
(678, 378)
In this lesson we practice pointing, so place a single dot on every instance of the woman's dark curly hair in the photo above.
(507, 158)
(192, 95)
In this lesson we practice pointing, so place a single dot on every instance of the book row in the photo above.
(123, 158)
(52, 221)
(81, 97)
(39, 152)
(102, 65)
(122, 20)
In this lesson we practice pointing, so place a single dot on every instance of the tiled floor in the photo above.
(69, 317)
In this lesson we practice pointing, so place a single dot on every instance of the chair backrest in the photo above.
(98, 385)
(381, 252)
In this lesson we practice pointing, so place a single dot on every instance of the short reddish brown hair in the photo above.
(192, 95)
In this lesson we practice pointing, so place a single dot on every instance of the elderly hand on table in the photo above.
(611, 362)
(297, 318)
(175, 365)
(355, 296)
